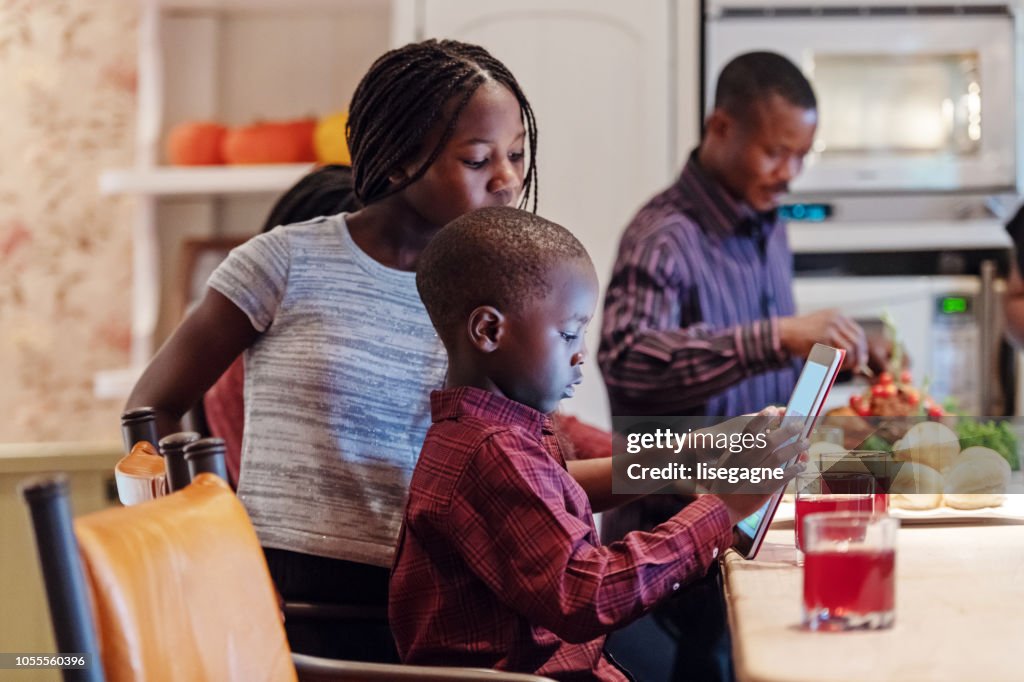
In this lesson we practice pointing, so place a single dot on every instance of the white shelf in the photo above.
(840, 237)
(265, 5)
(171, 181)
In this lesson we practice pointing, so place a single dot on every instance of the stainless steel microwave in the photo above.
(911, 97)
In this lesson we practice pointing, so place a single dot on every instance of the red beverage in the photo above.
(879, 465)
(882, 483)
(829, 503)
(850, 583)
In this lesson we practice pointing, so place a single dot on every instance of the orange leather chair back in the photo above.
(181, 590)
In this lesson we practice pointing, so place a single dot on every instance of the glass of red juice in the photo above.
(849, 571)
(881, 466)
(819, 492)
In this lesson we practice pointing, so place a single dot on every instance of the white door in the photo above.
(599, 75)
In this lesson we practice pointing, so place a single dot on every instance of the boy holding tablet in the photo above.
(499, 563)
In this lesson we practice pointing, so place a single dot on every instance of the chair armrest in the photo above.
(313, 669)
(294, 610)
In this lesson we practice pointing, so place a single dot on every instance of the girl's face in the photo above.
(481, 165)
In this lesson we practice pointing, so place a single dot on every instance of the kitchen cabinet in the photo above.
(234, 61)
(614, 87)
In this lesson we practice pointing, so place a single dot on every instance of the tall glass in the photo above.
(849, 571)
(880, 465)
(829, 491)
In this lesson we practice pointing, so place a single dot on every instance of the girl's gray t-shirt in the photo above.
(337, 389)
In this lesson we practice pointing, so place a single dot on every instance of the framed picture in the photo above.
(199, 258)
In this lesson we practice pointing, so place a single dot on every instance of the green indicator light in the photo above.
(954, 304)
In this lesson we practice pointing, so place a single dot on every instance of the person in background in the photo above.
(699, 317)
(323, 192)
(499, 563)
(340, 355)
(1013, 300)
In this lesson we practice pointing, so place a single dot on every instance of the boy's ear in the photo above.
(486, 327)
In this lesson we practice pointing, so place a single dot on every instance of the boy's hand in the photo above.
(781, 445)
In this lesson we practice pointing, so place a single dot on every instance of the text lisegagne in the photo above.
(703, 472)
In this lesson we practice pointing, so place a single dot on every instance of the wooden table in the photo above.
(959, 612)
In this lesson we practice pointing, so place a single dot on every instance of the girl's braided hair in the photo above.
(403, 96)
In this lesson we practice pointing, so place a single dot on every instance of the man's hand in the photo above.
(880, 353)
(798, 334)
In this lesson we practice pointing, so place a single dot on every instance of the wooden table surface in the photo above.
(959, 612)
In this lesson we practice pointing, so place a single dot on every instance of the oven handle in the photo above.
(987, 336)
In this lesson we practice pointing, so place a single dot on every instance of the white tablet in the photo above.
(812, 388)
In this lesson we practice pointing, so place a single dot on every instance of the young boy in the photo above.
(498, 562)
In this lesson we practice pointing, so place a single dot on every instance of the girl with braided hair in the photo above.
(340, 356)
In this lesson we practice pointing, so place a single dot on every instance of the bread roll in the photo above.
(973, 500)
(915, 501)
(916, 486)
(979, 454)
(930, 443)
(978, 478)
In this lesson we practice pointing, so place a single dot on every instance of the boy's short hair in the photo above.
(492, 256)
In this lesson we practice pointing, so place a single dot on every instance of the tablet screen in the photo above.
(748, 526)
(805, 395)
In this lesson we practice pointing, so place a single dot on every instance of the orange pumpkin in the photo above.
(271, 142)
(196, 143)
(304, 130)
